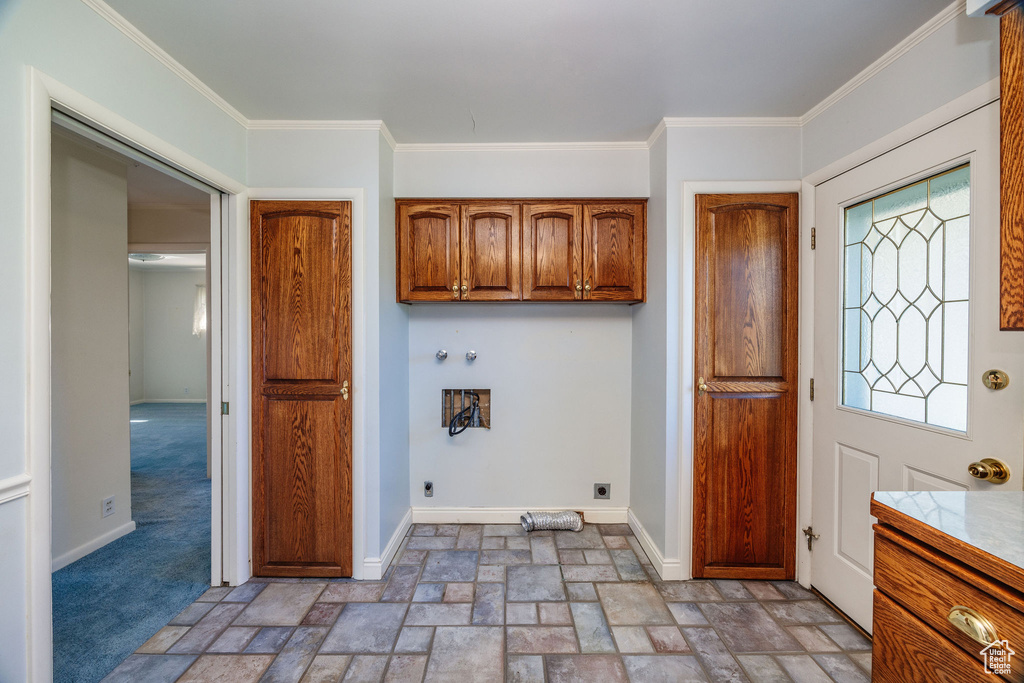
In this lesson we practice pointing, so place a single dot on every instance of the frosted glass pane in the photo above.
(858, 222)
(905, 288)
(954, 343)
(957, 259)
(901, 201)
(951, 193)
(947, 407)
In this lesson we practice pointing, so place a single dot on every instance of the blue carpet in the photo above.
(111, 601)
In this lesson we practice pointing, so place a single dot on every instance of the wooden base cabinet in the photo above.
(940, 604)
(521, 250)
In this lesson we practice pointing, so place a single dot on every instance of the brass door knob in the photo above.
(995, 379)
(990, 469)
(702, 387)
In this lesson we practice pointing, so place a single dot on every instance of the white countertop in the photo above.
(992, 521)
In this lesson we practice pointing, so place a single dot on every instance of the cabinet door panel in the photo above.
(614, 248)
(552, 251)
(490, 252)
(428, 245)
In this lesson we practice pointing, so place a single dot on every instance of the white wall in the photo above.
(559, 374)
(89, 323)
(136, 318)
(174, 359)
(75, 46)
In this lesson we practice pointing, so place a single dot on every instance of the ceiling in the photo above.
(457, 71)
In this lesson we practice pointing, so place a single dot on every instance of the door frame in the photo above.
(365, 473)
(687, 330)
(967, 103)
(45, 94)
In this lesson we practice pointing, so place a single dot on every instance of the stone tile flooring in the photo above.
(492, 603)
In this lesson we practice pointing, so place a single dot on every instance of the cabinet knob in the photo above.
(465, 291)
(455, 290)
(579, 286)
(587, 286)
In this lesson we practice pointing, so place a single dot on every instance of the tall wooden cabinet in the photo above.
(530, 250)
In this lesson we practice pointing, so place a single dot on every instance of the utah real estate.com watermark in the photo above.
(996, 656)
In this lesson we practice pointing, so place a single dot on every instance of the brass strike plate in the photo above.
(995, 379)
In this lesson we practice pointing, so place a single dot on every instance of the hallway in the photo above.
(491, 603)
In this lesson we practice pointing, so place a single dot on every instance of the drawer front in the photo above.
(929, 593)
(905, 650)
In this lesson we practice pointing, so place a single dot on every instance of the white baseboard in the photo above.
(86, 548)
(374, 567)
(668, 569)
(135, 403)
(482, 515)
(172, 400)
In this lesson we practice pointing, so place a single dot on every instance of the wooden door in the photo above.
(301, 368)
(490, 252)
(428, 248)
(614, 251)
(552, 252)
(745, 412)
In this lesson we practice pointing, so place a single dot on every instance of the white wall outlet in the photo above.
(186, 390)
(107, 507)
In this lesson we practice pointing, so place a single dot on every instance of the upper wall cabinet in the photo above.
(522, 249)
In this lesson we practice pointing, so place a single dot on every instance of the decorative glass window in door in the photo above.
(906, 282)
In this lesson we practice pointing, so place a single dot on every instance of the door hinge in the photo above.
(225, 408)
(812, 388)
(813, 236)
(811, 537)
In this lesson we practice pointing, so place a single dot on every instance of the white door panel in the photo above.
(857, 451)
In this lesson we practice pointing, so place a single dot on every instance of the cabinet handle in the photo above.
(973, 625)
(455, 290)
(465, 291)
(579, 287)
(587, 287)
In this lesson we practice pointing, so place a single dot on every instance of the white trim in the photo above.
(14, 487)
(521, 147)
(374, 567)
(142, 40)
(315, 124)
(687, 285)
(903, 47)
(668, 569)
(805, 420)
(981, 96)
(731, 121)
(95, 544)
(172, 400)
(361, 495)
(656, 133)
(386, 134)
(44, 94)
(496, 515)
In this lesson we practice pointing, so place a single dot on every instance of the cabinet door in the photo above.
(490, 252)
(428, 251)
(552, 252)
(614, 251)
(301, 363)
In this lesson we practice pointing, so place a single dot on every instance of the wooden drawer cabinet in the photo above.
(532, 250)
(929, 592)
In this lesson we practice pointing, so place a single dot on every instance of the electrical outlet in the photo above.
(107, 507)
(603, 491)
(428, 489)
(186, 390)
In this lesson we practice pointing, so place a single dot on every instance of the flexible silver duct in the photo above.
(565, 520)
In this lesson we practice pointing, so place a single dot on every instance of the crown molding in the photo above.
(904, 46)
(656, 133)
(732, 122)
(314, 124)
(139, 38)
(521, 147)
(388, 137)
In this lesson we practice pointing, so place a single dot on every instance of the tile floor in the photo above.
(491, 603)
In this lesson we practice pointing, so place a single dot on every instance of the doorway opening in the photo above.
(134, 527)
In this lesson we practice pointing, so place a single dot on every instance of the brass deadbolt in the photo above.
(990, 469)
(995, 379)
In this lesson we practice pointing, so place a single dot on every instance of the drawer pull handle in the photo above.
(973, 624)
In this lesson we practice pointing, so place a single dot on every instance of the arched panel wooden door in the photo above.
(301, 369)
(746, 356)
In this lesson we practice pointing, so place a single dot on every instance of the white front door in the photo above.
(906, 276)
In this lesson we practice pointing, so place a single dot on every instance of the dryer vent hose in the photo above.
(565, 520)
